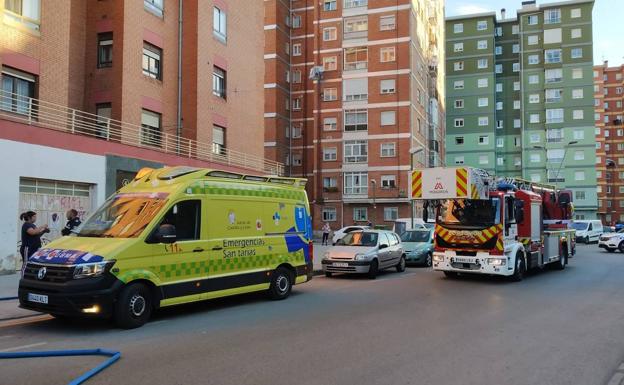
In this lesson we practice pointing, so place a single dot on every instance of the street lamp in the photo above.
(413, 151)
(565, 151)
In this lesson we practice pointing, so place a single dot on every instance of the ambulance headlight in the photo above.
(497, 261)
(88, 270)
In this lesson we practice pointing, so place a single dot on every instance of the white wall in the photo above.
(19, 159)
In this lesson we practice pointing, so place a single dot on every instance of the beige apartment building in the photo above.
(354, 94)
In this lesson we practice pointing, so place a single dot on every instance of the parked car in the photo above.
(612, 241)
(608, 229)
(418, 245)
(339, 234)
(365, 252)
(587, 230)
(401, 225)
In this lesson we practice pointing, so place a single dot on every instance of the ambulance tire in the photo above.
(133, 307)
(281, 284)
(373, 269)
(520, 268)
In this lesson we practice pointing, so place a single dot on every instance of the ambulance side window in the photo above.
(186, 217)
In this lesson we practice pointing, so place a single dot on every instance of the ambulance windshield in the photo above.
(470, 212)
(123, 215)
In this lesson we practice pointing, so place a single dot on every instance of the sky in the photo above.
(608, 22)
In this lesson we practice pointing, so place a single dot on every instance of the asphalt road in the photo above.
(555, 327)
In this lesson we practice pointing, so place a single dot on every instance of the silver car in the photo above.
(366, 252)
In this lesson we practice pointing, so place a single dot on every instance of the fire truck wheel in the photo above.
(621, 247)
(518, 273)
(562, 261)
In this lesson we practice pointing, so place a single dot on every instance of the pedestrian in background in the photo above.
(72, 222)
(31, 235)
(326, 231)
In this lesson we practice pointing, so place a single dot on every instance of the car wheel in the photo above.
(373, 269)
(133, 307)
(610, 250)
(428, 260)
(450, 274)
(621, 247)
(587, 240)
(518, 273)
(328, 274)
(281, 284)
(400, 267)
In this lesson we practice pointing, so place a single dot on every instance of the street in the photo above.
(418, 327)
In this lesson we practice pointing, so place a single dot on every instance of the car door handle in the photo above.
(217, 248)
(198, 250)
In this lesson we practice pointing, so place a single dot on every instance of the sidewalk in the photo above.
(9, 308)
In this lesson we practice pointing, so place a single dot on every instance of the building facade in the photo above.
(519, 96)
(609, 118)
(351, 86)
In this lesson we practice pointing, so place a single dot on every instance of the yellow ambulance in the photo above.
(171, 236)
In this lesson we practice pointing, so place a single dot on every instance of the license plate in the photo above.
(340, 264)
(39, 298)
(464, 260)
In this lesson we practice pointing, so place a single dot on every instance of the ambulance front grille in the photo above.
(55, 274)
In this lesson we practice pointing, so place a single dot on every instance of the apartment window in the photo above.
(459, 123)
(534, 138)
(296, 130)
(297, 159)
(517, 123)
(534, 98)
(532, 39)
(458, 66)
(534, 118)
(387, 86)
(330, 33)
(459, 160)
(482, 44)
(458, 28)
(516, 86)
(105, 50)
(458, 84)
(329, 214)
(533, 79)
(458, 47)
(355, 27)
(515, 67)
(103, 112)
(459, 103)
(516, 104)
(483, 102)
(499, 87)
(391, 213)
(533, 59)
(578, 134)
(330, 94)
(218, 140)
(356, 120)
(330, 124)
(576, 33)
(356, 183)
(296, 104)
(535, 157)
(483, 159)
(515, 48)
(387, 54)
(18, 87)
(499, 106)
(500, 161)
(575, 13)
(536, 178)
(554, 115)
(296, 76)
(152, 57)
(555, 155)
(596, 116)
(499, 124)
(576, 53)
(500, 142)
(329, 5)
(388, 118)
(330, 154)
(481, 25)
(219, 82)
(553, 95)
(387, 23)
(154, 6)
(296, 21)
(553, 75)
(579, 155)
(532, 20)
(552, 16)
(483, 121)
(498, 31)
(330, 182)
(498, 50)
(296, 49)
(388, 150)
(618, 91)
(579, 175)
(355, 89)
(577, 93)
(482, 63)
(552, 56)
(219, 23)
(459, 140)
(355, 151)
(355, 58)
(25, 12)
(150, 128)
(580, 196)
(499, 68)
(577, 114)
(360, 214)
(484, 140)
(388, 181)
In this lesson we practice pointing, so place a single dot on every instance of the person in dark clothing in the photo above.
(31, 235)
(72, 222)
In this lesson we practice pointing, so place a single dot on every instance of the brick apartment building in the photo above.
(609, 117)
(91, 93)
(351, 86)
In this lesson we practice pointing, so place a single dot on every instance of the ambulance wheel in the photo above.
(281, 284)
(518, 273)
(373, 269)
(133, 307)
(621, 247)
(401, 265)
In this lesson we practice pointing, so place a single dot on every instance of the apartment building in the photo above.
(519, 92)
(93, 90)
(353, 96)
(609, 118)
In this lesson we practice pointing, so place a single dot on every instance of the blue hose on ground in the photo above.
(7, 298)
(113, 357)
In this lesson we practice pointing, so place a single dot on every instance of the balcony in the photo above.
(46, 115)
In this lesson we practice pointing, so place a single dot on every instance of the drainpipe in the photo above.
(179, 112)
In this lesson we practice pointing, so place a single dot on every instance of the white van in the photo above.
(588, 230)
(401, 225)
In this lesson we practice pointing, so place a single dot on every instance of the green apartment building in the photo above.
(520, 96)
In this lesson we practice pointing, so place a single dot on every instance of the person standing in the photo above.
(72, 222)
(326, 231)
(31, 235)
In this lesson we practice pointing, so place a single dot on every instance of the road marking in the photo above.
(22, 347)
(23, 321)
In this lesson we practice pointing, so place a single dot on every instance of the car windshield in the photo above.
(359, 239)
(123, 215)
(416, 236)
(470, 212)
(580, 226)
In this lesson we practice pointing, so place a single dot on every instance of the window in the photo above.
(500, 142)
(534, 98)
(483, 121)
(554, 135)
(360, 214)
(498, 50)
(552, 56)
(535, 157)
(219, 82)
(515, 48)
(533, 79)
(330, 154)
(481, 25)
(296, 104)
(534, 138)
(575, 13)
(329, 5)
(150, 128)
(596, 116)
(296, 130)
(516, 104)
(330, 182)
(536, 178)
(499, 68)
(387, 86)
(459, 123)
(459, 140)
(356, 120)
(482, 44)
(355, 3)
(388, 118)
(533, 59)
(577, 93)
(387, 54)
(391, 213)
(105, 50)
(152, 57)
(459, 103)
(517, 123)
(553, 75)
(25, 12)
(218, 140)
(387, 23)
(499, 124)
(576, 53)
(483, 159)
(555, 155)
(515, 67)
(18, 87)
(576, 33)
(482, 63)
(388, 150)
(296, 21)
(287, 49)
(296, 160)
(534, 118)
(219, 24)
(580, 195)
(458, 66)
(458, 84)
(483, 102)
(553, 95)
(356, 183)
(458, 47)
(577, 114)
(515, 29)
(459, 160)
(356, 58)
(554, 115)
(103, 111)
(458, 28)
(329, 214)
(579, 175)
(355, 27)
(484, 140)
(330, 124)
(296, 76)
(355, 151)
(185, 217)
(296, 49)
(579, 155)
(330, 94)
(329, 33)
(532, 39)
(388, 181)
(532, 20)
(552, 16)
(498, 31)
(499, 87)
(355, 89)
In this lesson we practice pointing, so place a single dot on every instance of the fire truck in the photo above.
(494, 226)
